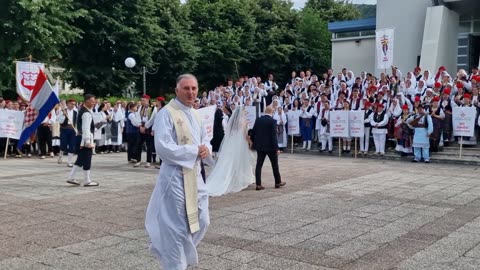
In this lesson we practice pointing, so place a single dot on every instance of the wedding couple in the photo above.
(233, 170)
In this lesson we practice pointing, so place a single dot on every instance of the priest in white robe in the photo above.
(177, 215)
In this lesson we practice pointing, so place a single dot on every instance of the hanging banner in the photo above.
(207, 115)
(26, 76)
(339, 123)
(11, 124)
(250, 115)
(463, 120)
(355, 123)
(293, 122)
(384, 47)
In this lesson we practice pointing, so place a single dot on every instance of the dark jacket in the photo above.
(218, 131)
(264, 134)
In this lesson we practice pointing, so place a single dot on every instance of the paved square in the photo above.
(333, 214)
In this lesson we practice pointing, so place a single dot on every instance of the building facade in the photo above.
(428, 33)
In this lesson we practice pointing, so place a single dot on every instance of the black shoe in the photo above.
(259, 188)
(414, 160)
(330, 152)
(280, 185)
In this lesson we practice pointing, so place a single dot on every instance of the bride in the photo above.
(233, 170)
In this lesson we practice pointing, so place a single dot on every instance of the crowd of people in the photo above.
(390, 102)
(412, 113)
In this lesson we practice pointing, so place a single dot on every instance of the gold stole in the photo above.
(184, 136)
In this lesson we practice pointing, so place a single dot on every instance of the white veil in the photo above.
(233, 169)
(236, 121)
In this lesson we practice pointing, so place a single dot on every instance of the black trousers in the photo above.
(272, 155)
(133, 146)
(44, 135)
(84, 156)
(149, 142)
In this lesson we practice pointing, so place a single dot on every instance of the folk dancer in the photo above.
(306, 124)
(365, 140)
(423, 126)
(68, 131)
(379, 122)
(324, 131)
(85, 143)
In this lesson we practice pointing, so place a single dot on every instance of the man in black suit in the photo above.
(264, 137)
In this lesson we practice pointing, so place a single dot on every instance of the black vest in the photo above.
(379, 118)
(74, 120)
(79, 121)
(367, 115)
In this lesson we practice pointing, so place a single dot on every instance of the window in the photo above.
(355, 34)
(465, 27)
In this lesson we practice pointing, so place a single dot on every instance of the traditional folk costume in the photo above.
(68, 134)
(365, 140)
(423, 126)
(379, 122)
(177, 215)
(324, 130)
(403, 133)
(85, 144)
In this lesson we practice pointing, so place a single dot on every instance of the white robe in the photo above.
(166, 217)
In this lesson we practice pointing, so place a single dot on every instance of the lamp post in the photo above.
(130, 63)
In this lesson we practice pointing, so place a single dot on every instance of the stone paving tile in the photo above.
(364, 215)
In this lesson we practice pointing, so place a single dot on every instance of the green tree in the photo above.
(224, 32)
(334, 10)
(313, 45)
(276, 38)
(179, 52)
(113, 31)
(38, 28)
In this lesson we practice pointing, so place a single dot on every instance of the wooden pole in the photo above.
(292, 144)
(355, 147)
(6, 148)
(339, 147)
(461, 146)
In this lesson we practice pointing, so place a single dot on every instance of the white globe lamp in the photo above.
(130, 62)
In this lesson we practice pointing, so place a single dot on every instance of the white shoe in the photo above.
(42, 157)
(137, 164)
(147, 165)
(51, 154)
(133, 160)
(70, 165)
(59, 161)
(29, 155)
(157, 166)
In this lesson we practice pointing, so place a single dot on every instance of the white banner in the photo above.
(463, 120)
(293, 122)
(207, 115)
(250, 115)
(11, 124)
(339, 123)
(26, 76)
(356, 125)
(384, 48)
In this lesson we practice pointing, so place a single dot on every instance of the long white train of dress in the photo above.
(233, 170)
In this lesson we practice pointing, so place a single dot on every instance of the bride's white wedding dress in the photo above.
(233, 169)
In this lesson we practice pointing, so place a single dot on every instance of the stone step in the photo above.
(450, 156)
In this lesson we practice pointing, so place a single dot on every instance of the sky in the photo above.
(301, 3)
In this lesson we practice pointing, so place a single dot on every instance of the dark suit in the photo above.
(264, 136)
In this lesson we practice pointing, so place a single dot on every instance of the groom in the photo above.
(264, 137)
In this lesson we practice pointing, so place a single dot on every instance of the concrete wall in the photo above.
(356, 56)
(407, 17)
(440, 39)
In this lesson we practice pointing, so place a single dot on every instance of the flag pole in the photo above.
(6, 148)
(339, 147)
